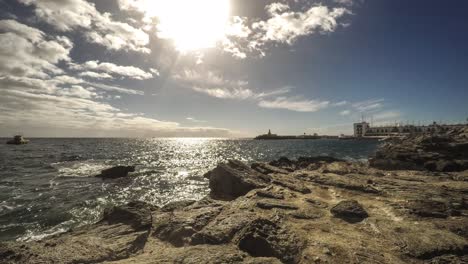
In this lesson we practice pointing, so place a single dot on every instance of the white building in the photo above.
(363, 129)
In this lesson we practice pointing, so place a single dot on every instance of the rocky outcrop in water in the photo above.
(116, 172)
(310, 210)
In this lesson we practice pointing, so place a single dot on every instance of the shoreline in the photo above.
(409, 204)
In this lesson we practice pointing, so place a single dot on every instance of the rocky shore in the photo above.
(405, 206)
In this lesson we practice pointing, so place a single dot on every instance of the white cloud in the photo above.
(341, 103)
(78, 91)
(286, 26)
(95, 75)
(66, 15)
(345, 2)
(38, 97)
(215, 85)
(369, 105)
(64, 115)
(282, 26)
(294, 104)
(191, 119)
(111, 68)
(25, 51)
(345, 112)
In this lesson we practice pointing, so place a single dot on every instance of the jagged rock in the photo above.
(291, 184)
(137, 214)
(270, 204)
(122, 233)
(116, 172)
(270, 194)
(266, 168)
(222, 229)
(177, 205)
(424, 152)
(301, 162)
(177, 227)
(264, 238)
(233, 179)
(283, 162)
(304, 162)
(350, 211)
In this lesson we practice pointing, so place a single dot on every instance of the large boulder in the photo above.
(233, 179)
(116, 172)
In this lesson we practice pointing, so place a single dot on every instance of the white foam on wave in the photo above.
(80, 168)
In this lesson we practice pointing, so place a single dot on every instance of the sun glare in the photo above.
(192, 25)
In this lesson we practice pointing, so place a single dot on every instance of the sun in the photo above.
(191, 24)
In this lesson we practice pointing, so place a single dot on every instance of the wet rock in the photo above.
(304, 162)
(389, 164)
(350, 211)
(136, 214)
(283, 162)
(264, 238)
(233, 179)
(122, 234)
(116, 172)
(270, 204)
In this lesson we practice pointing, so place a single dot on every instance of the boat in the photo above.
(18, 140)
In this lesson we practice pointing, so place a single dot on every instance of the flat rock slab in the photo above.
(308, 213)
(270, 204)
(270, 194)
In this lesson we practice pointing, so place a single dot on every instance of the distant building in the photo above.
(363, 129)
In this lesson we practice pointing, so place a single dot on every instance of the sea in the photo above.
(48, 186)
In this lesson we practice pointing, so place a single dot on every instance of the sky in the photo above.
(228, 68)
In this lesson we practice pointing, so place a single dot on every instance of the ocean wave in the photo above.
(80, 168)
